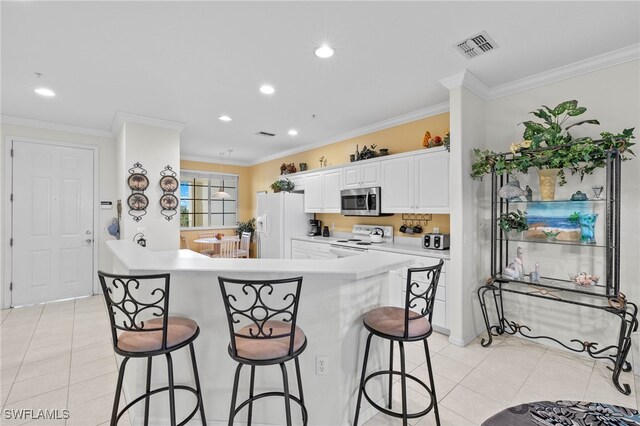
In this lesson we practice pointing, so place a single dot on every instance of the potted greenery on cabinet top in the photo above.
(549, 147)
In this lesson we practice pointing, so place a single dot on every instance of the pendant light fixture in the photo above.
(221, 194)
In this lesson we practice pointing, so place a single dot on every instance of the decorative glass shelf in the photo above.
(547, 241)
(597, 290)
(553, 201)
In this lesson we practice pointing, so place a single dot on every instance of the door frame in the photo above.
(7, 260)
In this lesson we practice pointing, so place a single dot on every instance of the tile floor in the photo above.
(59, 356)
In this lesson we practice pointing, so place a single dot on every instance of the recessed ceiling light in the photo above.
(224, 118)
(43, 91)
(293, 132)
(324, 51)
(267, 89)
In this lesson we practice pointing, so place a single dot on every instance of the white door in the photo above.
(313, 193)
(351, 177)
(370, 174)
(52, 222)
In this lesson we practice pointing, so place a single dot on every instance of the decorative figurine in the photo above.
(597, 191)
(512, 191)
(515, 269)
(529, 193)
(579, 196)
(534, 276)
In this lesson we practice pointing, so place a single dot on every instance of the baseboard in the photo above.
(464, 341)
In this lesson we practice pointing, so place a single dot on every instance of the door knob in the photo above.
(88, 241)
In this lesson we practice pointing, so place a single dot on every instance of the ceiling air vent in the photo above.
(476, 45)
(266, 134)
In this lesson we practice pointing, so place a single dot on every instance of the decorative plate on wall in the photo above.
(169, 184)
(168, 202)
(138, 183)
(137, 202)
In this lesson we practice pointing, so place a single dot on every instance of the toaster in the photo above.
(435, 241)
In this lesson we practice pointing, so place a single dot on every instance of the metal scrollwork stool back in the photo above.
(409, 324)
(138, 307)
(262, 326)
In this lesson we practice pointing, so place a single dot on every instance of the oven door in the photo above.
(360, 202)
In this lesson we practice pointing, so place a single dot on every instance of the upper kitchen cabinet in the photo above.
(299, 182)
(431, 172)
(397, 185)
(416, 184)
(361, 175)
(322, 192)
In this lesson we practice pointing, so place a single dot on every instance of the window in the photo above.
(198, 208)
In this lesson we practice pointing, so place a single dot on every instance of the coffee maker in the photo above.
(315, 228)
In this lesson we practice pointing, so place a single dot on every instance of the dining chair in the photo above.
(207, 251)
(245, 240)
(184, 244)
(229, 247)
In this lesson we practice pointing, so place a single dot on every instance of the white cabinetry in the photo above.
(362, 175)
(322, 192)
(416, 184)
(310, 250)
(299, 182)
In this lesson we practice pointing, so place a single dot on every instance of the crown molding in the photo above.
(212, 160)
(467, 79)
(364, 130)
(609, 59)
(121, 117)
(49, 125)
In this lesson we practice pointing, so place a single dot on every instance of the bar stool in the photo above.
(404, 325)
(141, 327)
(262, 327)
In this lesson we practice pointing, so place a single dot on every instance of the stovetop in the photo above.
(361, 239)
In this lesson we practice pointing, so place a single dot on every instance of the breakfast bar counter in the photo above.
(335, 294)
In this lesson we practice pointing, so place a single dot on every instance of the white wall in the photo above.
(153, 147)
(612, 96)
(107, 185)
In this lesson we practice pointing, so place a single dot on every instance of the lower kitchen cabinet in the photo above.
(310, 250)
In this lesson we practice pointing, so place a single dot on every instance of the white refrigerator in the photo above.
(279, 217)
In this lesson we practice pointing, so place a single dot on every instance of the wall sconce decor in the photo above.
(138, 183)
(169, 184)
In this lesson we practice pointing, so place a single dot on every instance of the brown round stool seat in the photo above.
(268, 348)
(389, 320)
(179, 330)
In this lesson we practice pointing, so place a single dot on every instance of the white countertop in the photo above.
(141, 259)
(407, 246)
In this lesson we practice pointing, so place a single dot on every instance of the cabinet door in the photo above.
(397, 185)
(432, 182)
(350, 177)
(298, 183)
(313, 193)
(331, 201)
(370, 174)
(297, 253)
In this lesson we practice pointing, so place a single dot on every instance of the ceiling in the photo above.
(193, 61)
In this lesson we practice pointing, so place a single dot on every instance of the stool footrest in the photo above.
(269, 394)
(163, 389)
(393, 413)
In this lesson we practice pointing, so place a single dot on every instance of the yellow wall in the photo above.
(402, 138)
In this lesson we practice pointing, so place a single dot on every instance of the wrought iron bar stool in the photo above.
(262, 326)
(141, 327)
(404, 325)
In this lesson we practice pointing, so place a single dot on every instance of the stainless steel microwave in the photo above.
(361, 202)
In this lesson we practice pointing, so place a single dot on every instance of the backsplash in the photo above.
(344, 223)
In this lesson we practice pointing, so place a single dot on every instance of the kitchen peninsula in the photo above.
(335, 295)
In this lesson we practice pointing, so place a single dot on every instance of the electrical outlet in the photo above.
(436, 230)
(322, 365)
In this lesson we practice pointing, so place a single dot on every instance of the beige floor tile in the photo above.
(51, 400)
(514, 361)
(46, 352)
(91, 339)
(557, 356)
(4, 313)
(447, 418)
(381, 419)
(92, 413)
(38, 385)
(7, 377)
(442, 384)
(43, 341)
(408, 364)
(526, 394)
(12, 360)
(437, 342)
(471, 405)
(449, 368)
(93, 388)
(471, 354)
(93, 369)
(414, 352)
(43, 367)
(601, 388)
(559, 381)
(91, 353)
(495, 385)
